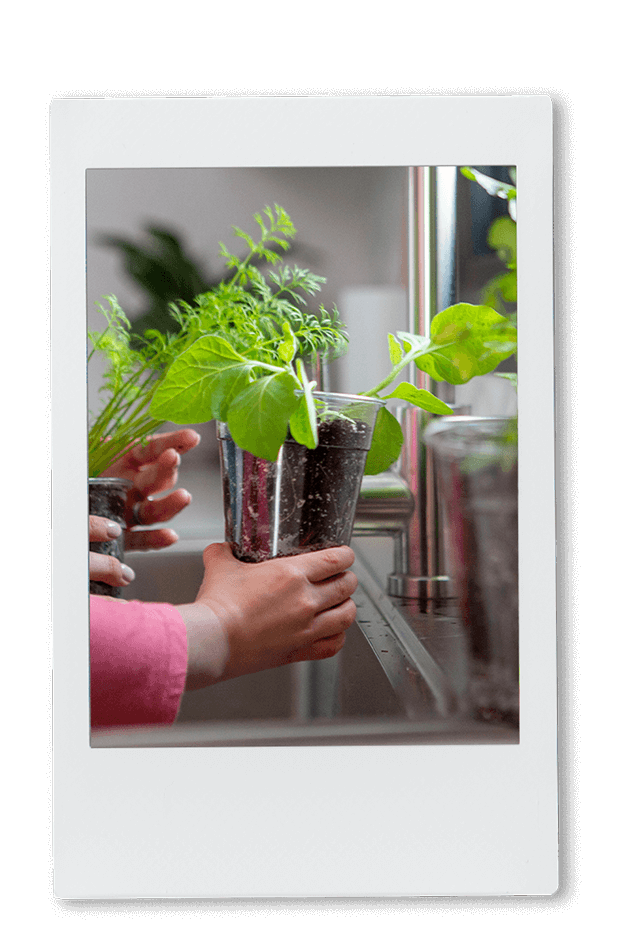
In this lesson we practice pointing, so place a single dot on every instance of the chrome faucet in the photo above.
(403, 502)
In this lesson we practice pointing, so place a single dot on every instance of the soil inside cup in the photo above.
(314, 495)
(488, 590)
(478, 475)
(320, 487)
(107, 498)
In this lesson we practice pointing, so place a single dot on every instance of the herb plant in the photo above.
(130, 381)
(246, 367)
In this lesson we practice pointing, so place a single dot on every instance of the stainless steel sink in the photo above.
(352, 684)
(399, 678)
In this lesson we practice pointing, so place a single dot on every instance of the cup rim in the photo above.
(445, 423)
(351, 397)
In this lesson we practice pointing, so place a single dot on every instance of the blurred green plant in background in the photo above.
(164, 270)
(500, 292)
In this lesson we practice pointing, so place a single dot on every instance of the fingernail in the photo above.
(127, 574)
(113, 529)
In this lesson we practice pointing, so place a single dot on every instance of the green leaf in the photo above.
(259, 416)
(386, 443)
(502, 238)
(510, 377)
(418, 397)
(303, 430)
(201, 383)
(394, 349)
(303, 422)
(489, 184)
(500, 290)
(468, 340)
(288, 348)
(412, 341)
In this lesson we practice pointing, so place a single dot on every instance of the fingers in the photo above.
(335, 590)
(294, 574)
(152, 511)
(321, 649)
(315, 567)
(179, 442)
(103, 529)
(333, 621)
(140, 455)
(272, 613)
(110, 570)
(153, 540)
(158, 476)
(319, 565)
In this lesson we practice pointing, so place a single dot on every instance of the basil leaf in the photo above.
(418, 397)
(259, 416)
(469, 340)
(386, 443)
(201, 383)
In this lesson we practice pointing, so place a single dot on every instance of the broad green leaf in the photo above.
(418, 397)
(386, 443)
(201, 383)
(471, 340)
(258, 417)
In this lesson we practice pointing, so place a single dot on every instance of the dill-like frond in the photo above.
(250, 309)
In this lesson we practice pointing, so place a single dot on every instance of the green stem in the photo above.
(397, 369)
(412, 354)
(274, 369)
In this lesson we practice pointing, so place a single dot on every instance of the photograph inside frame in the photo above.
(377, 299)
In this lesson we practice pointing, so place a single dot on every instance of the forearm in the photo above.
(207, 645)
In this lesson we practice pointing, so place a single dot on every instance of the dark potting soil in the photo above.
(489, 601)
(312, 504)
(108, 500)
(320, 487)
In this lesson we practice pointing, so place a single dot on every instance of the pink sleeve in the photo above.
(138, 662)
